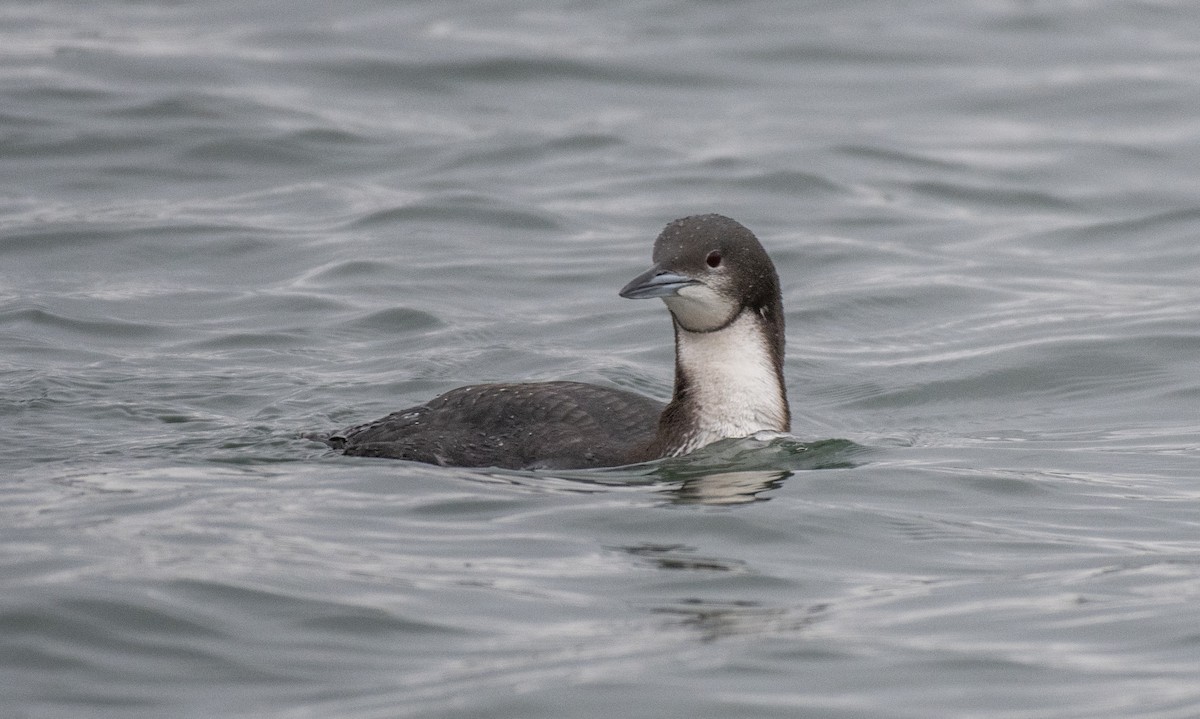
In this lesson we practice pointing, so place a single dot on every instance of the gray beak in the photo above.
(656, 282)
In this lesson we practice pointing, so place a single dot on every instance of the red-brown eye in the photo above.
(714, 258)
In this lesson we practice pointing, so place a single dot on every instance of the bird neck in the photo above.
(728, 383)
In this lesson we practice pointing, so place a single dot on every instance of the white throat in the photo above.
(733, 385)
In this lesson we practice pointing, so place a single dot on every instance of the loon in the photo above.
(723, 295)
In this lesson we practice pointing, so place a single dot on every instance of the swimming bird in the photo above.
(722, 291)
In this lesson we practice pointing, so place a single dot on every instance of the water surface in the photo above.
(224, 225)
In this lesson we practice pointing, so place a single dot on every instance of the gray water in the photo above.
(225, 224)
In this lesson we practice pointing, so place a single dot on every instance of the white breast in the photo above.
(732, 381)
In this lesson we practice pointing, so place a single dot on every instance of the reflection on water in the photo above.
(732, 471)
(683, 557)
(719, 620)
(738, 471)
(727, 487)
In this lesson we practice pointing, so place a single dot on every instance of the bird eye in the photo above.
(714, 258)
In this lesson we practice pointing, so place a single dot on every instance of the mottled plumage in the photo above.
(548, 425)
